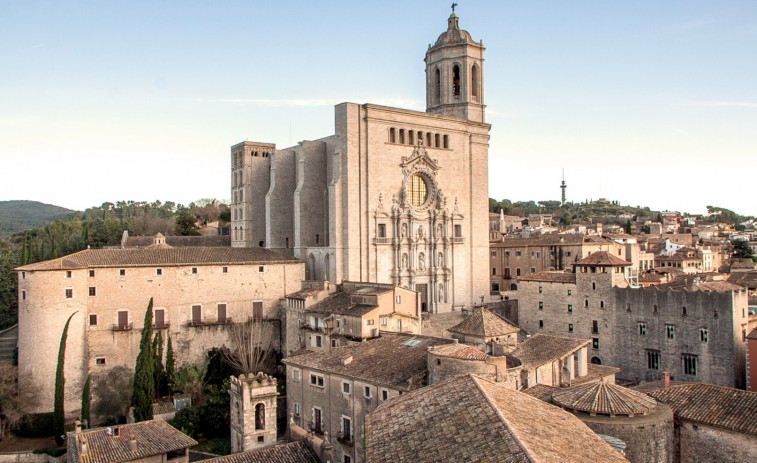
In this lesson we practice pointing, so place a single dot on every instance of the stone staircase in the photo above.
(8, 341)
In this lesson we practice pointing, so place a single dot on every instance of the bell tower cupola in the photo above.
(455, 74)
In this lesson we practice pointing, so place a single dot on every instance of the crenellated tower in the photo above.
(253, 412)
(250, 181)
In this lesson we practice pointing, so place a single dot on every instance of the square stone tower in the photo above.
(253, 412)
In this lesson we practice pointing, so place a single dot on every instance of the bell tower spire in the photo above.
(455, 73)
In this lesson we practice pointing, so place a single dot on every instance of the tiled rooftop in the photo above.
(594, 371)
(543, 348)
(340, 303)
(154, 437)
(541, 392)
(470, 418)
(388, 360)
(745, 279)
(484, 324)
(553, 277)
(294, 452)
(459, 351)
(602, 398)
(542, 240)
(94, 258)
(602, 258)
(720, 406)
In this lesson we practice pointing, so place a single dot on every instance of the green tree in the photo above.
(170, 366)
(113, 390)
(185, 223)
(159, 373)
(144, 379)
(627, 227)
(741, 249)
(60, 382)
(86, 400)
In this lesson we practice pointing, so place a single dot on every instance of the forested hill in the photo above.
(20, 215)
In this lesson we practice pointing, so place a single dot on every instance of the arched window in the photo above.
(402, 136)
(513, 287)
(437, 85)
(456, 81)
(392, 135)
(260, 416)
(596, 361)
(475, 82)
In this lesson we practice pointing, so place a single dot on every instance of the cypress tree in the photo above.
(86, 400)
(158, 371)
(144, 381)
(170, 366)
(60, 381)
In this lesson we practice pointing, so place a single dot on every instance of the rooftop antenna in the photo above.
(563, 186)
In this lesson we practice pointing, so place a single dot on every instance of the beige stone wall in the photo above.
(701, 443)
(44, 312)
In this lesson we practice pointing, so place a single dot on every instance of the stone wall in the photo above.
(700, 443)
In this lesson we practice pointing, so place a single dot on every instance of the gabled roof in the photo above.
(393, 360)
(720, 406)
(604, 399)
(98, 258)
(154, 437)
(470, 418)
(294, 452)
(552, 277)
(340, 303)
(543, 348)
(459, 351)
(483, 324)
(603, 259)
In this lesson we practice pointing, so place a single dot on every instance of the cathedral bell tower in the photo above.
(455, 74)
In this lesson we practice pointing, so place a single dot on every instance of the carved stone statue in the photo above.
(403, 230)
(421, 261)
(404, 261)
(440, 260)
(395, 204)
(439, 231)
(420, 231)
(380, 206)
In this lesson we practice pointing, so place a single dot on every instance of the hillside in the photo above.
(20, 215)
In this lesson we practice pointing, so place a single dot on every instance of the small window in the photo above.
(68, 273)
(382, 230)
(494, 270)
(570, 292)
(92, 319)
(296, 374)
(654, 308)
(458, 231)
(317, 238)
(316, 380)
(224, 269)
(194, 270)
(318, 341)
(384, 321)
(689, 364)
(296, 409)
(594, 286)
(122, 272)
(91, 273)
(586, 303)
(570, 308)
(99, 360)
(703, 334)
(541, 305)
(628, 306)
(23, 275)
(369, 321)
(494, 253)
(683, 310)
(159, 271)
(384, 394)
(595, 326)
(333, 343)
(642, 328)
(345, 388)
(92, 291)
(517, 253)
(541, 290)
(261, 269)
(653, 359)
(23, 295)
(541, 323)
(670, 331)
(595, 343)
(602, 305)
(398, 300)
(367, 392)
(570, 327)
(69, 293)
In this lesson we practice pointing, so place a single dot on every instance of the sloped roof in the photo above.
(720, 406)
(340, 303)
(94, 258)
(603, 259)
(484, 324)
(459, 351)
(553, 277)
(549, 239)
(294, 452)
(604, 399)
(470, 418)
(154, 437)
(543, 348)
(745, 279)
(389, 360)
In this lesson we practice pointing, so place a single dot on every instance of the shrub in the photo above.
(188, 421)
(36, 425)
(52, 451)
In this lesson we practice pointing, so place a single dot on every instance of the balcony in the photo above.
(209, 322)
(315, 428)
(458, 240)
(162, 326)
(346, 439)
(382, 241)
(123, 327)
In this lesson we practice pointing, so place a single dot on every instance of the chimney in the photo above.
(77, 426)
(84, 447)
(454, 341)
(347, 360)
(132, 443)
(116, 431)
(665, 379)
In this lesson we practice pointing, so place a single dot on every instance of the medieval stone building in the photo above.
(394, 196)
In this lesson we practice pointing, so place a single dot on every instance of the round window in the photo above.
(416, 190)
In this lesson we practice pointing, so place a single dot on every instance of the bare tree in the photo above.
(10, 407)
(251, 348)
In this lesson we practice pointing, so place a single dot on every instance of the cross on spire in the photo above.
(454, 4)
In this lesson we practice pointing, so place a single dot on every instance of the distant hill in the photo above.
(20, 215)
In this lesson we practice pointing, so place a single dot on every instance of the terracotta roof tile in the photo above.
(93, 258)
(294, 452)
(340, 303)
(543, 348)
(554, 277)
(154, 437)
(389, 360)
(604, 399)
(541, 392)
(542, 240)
(484, 324)
(459, 351)
(594, 371)
(470, 418)
(602, 258)
(720, 406)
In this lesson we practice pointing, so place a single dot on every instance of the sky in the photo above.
(647, 103)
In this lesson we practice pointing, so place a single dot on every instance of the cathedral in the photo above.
(393, 196)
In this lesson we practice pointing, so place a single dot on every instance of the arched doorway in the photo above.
(596, 361)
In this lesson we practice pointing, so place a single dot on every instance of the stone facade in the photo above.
(642, 330)
(253, 412)
(391, 197)
(701, 443)
(194, 303)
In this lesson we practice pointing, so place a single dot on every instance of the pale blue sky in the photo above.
(644, 102)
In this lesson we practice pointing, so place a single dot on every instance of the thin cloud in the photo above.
(715, 104)
(34, 47)
(307, 102)
(680, 130)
